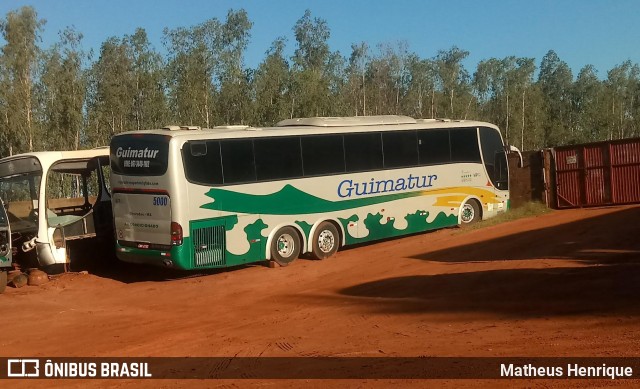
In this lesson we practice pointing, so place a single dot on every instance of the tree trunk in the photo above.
(506, 130)
(433, 98)
(522, 129)
(451, 103)
(466, 112)
(364, 96)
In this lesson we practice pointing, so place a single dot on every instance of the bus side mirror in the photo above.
(514, 149)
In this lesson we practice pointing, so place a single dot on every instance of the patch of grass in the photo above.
(529, 209)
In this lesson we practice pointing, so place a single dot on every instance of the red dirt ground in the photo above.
(565, 283)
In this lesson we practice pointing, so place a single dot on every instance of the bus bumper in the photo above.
(174, 258)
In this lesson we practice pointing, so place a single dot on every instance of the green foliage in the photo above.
(62, 91)
(64, 98)
(271, 87)
(20, 30)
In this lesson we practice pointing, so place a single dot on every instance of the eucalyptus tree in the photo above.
(453, 80)
(394, 57)
(623, 87)
(589, 106)
(355, 89)
(380, 86)
(6, 135)
(555, 80)
(336, 75)
(502, 86)
(21, 31)
(193, 58)
(311, 67)
(233, 79)
(111, 93)
(419, 100)
(387, 78)
(489, 84)
(523, 82)
(62, 92)
(271, 86)
(149, 106)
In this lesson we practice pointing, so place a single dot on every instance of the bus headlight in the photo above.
(58, 238)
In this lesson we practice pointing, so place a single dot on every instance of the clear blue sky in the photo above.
(603, 33)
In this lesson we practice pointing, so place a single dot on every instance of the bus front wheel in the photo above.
(325, 241)
(470, 212)
(285, 246)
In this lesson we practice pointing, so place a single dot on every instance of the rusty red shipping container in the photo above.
(595, 174)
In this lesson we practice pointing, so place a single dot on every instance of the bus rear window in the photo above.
(139, 156)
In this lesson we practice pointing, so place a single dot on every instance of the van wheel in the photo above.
(325, 241)
(3, 280)
(285, 246)
(470, 212)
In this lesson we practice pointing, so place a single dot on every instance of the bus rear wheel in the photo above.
(325, 241)
(285, 246)
(470, 212)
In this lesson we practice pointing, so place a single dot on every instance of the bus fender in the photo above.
(482, 207)
(273, 232)
(313, 230)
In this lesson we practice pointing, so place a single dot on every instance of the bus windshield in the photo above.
(145, 155)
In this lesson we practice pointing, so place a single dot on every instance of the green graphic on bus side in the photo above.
(257, 241)
(306, 227)
(416, 222)
(290, 201)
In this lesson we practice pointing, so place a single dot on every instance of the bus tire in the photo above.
(285, 246)
(3, 280)
(470, 212)
(325, 241)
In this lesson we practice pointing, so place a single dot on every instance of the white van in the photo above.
(53, 198)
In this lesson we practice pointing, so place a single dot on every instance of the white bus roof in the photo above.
(313, 126)
(47, 158)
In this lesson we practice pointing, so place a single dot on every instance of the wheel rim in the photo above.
(326, 241)
(468, 213)
(286, 245)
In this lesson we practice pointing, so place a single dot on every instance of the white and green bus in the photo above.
(193, 198)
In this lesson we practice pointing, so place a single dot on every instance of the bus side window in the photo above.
(237, 161)
(363, 151)
(322, 154)
(202, 162)
(433, 146)
(278, 158)
(400, 149)
(464, 145)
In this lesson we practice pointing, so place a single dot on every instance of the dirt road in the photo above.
(562, 284)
